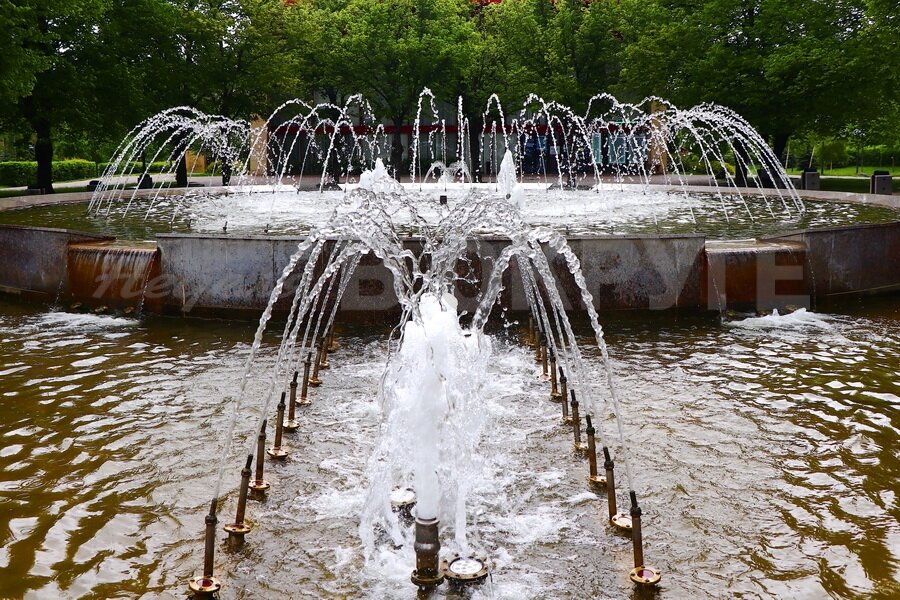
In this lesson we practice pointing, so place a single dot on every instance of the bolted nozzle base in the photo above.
(466, 570)
(580, 448)
(556, 397)
(622, 522)
(314, 382)
(278, 453)
(426, 581)
(324, 364)
(645, 575)
(597, 482)
(238, 529)
(259, 485)
(204, 587)
(291, 425)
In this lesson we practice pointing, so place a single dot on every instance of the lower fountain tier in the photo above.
(226, 276)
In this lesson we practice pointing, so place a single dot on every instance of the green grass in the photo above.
(865, 171)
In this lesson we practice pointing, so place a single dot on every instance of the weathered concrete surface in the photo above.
(848, 260)
(33, 259)
(218, 274)
(205, 275)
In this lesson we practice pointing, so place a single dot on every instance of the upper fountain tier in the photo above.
(549, 144)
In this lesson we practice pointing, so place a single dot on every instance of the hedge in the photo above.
(135, 168)
(23, 172)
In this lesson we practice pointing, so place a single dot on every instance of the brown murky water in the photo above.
(765, 457)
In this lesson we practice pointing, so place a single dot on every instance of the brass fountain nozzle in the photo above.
(292, 424)
(576, 425)
(427, 573)
(555, 394)
(641, 574)
(323, 356)
(240, 528)
(259, 484)
(594, 480)
(314, 380)
(304, 388)
(564, 391)
(277, 451)
(206, 586)
(620, 521)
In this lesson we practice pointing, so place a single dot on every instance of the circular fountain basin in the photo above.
(779, 437)
(612, 210)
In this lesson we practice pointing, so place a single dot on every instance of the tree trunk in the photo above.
(181, 175)
(476, 129)
(779, 143)
(397, 148)
(43, 154)
(741, 160)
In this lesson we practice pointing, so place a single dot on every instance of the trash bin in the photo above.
(809, 180)
(881, 183)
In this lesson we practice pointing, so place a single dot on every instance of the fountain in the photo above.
(447, 261)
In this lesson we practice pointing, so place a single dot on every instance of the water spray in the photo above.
(641, 574)
(292, 424)
(276, 451)
(240, 528)
(402, 502)
(205, 587)
(259, 484)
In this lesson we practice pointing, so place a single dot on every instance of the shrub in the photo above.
(18, 172)
(24, 172)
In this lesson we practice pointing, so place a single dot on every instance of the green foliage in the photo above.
(19, 173)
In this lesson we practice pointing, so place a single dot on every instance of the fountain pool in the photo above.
(768, 471)
(617, 210)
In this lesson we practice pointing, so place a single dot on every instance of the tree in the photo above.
(390, 51)
(787, 67)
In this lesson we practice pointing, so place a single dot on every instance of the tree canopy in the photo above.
(89, 70)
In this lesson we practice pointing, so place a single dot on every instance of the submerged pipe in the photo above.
(564, 392)
(304, 389)
(276, 451)
(259, 484)
(427, 573)
(238, 529)
(292, 424)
